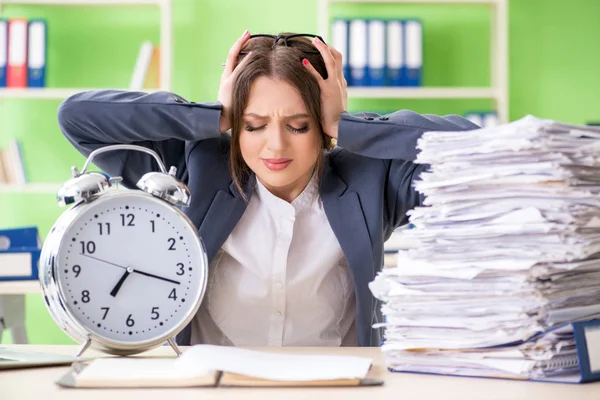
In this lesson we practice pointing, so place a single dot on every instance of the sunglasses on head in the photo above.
(287, 40)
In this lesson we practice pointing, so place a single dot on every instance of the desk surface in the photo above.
(38, 383)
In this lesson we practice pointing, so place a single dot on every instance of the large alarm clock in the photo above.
(123, 270)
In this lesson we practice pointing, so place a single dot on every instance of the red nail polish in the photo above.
(304, 61)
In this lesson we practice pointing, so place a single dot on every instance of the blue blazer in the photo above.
(366, 187)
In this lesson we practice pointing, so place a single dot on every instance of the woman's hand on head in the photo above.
(334, 93)
(228, 77)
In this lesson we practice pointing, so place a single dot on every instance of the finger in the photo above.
(327, 56)
(339, 64)
(234, 51)
(240, 66)
(312, 70)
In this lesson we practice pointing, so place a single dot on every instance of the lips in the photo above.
(276, 164)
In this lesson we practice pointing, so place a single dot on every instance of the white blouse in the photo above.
(280, 279)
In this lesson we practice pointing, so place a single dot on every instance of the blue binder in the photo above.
(376, 52)
(3, 50)
(485, 119)
(358, 52)
(340, 39)
(579, 366)
(36, 60)
(395, 65)
(413, 36)
(20, 250)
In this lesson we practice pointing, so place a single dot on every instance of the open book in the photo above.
(207, 365)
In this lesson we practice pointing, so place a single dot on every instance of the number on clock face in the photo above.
(129, 269)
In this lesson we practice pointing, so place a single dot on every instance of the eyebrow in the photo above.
(293, 116)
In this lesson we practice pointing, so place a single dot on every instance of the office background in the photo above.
(553, 73)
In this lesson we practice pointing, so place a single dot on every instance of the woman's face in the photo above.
(279, 140)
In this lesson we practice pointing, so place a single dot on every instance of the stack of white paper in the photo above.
(508, 247)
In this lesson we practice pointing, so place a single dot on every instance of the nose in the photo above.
(276, 140)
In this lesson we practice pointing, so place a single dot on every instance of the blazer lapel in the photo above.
(223, 215)
(346, 217)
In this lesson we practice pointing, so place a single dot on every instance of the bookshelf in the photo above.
(34, 188)
(498, 92)
(420, 92)
(49, 94)
(166, 32)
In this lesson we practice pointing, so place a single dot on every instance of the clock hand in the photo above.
(117, 287)
(155, 276)
(133, 270)
(104, 261)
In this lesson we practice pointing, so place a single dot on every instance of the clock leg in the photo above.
(84, 347)
(174, 346)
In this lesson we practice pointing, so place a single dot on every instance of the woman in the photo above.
(294, 230)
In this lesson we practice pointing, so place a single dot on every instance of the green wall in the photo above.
(554, 58)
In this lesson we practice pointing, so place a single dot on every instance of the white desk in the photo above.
(38, 383)
(12, 307)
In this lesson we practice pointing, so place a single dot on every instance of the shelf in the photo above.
(421, 1)
(421, 93)
(40, 188)
(498, 92)
(20, 287)
(84, 2)
(47, 93)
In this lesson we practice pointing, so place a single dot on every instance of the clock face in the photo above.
(130, 268)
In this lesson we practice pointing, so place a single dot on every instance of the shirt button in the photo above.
(279, 313)
(279, 285)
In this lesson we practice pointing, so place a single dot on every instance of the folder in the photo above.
(549, 356)
(3, 50)
(152, 80)
(376, 55)
(17, 53)
(339, 40)
(19, 254)
(141, 66)
(36, 57)
(395, 53)
(358, 52)
(414, 52)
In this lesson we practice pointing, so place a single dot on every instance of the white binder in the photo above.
(395, 53)
(414, 52)
(339, 40)
(376, 55)
(358, 52)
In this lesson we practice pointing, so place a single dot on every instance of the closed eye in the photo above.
(304, 129)
(251, 128)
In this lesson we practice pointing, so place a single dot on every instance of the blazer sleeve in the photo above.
(393, 139)
(160, 121)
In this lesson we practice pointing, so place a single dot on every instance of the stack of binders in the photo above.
(504, 280)
(22, 53)
(380, 52)
(19, 254)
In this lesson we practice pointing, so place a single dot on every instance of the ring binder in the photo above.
(558, 363)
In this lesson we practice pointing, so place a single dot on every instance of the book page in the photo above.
(141, 372)
(272, 366)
